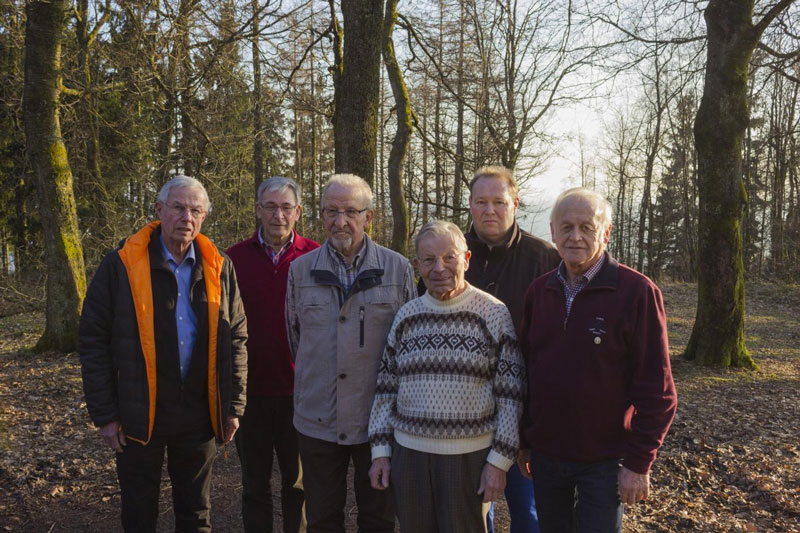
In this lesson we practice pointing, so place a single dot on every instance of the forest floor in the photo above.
(731, 461)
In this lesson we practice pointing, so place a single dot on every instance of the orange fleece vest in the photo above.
(135, 256)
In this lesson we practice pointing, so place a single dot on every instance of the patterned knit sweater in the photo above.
(451, 380)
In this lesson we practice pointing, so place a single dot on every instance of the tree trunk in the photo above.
(397, 155)
(718, 334)
(66, 279)
(459, 163)
(356, 97)
(258, 109)
(312, 188)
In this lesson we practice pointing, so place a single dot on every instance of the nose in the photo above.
(186, 215)
(575, 234)
(438, 264)
(340, 220)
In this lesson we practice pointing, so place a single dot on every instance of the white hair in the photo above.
(178, 182)
(349, 180)
(442, 228)
(602, 209)
(280, 184)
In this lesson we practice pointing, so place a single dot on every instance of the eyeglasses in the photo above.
(179, 209)
(448, 259)
(271, 208)
(351, 213)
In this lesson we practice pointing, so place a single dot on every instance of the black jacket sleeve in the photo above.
(94, 344)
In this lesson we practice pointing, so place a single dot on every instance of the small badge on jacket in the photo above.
(598, 329)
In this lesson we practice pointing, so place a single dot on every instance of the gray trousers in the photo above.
(438, 493)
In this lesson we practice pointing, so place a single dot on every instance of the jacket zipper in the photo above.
(361, 327)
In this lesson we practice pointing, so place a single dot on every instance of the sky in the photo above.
(563, 167)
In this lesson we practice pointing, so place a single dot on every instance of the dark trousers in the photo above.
(325, 481)
(267, 424)
(190, 456)
(436, 493)
(577, 496)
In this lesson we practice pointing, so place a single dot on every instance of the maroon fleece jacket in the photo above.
(599, 383)
(262, 285)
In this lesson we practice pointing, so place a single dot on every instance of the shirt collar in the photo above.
(168, 256)
(584, 278)
(339, 257)
(265, 244)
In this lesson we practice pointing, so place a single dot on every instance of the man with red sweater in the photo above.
(600, 391)
(262, 267)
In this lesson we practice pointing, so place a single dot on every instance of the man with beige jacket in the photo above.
(340, 302)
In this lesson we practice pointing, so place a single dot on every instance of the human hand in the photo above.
(231, 425)
(112, 435)
(524, 463)
(379, 473)
(631, 486)
(493, 481)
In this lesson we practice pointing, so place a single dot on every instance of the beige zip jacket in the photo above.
(337, 338)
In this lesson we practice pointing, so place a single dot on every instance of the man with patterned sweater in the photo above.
(594, 337)
(449, 395)
(262, 268)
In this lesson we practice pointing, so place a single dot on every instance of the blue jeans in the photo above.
(577, 496)
(521, 504)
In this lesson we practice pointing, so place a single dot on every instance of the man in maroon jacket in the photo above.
(600, 391)
(262, 267)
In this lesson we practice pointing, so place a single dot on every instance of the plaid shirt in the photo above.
(571, 290)
(347, 274)
(271, 253)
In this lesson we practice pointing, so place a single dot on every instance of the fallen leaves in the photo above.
(731, 461)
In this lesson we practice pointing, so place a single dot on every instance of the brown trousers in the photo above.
(438, 493)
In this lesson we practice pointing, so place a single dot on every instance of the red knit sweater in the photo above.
(599, 383)
(270, 369)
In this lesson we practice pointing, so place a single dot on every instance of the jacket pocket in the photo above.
(383, 303)
(314, 307)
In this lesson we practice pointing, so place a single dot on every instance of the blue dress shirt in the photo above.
(184, 314)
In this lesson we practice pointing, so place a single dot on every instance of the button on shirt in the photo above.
(185, 318)
(571, 290)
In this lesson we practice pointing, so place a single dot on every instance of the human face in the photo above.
(345, 233)
(493, 209)
(441, 266)
(278, 211)
(579, 234)
(181, 218)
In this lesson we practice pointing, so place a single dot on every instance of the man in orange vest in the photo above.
(163, 358)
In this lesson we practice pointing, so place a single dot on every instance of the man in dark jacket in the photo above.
(163, 358)
(262, 267)
(505, 260)
(600, 391)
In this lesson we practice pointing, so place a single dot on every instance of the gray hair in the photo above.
(495, 171)
(349, 180)
(602, 209)
(178, 182)
(280, 184)
(441, 228)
